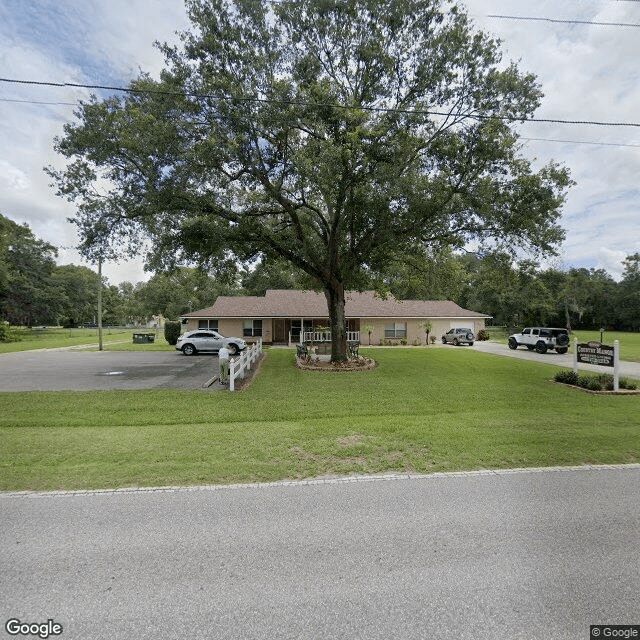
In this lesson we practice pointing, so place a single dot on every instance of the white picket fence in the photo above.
(239, 366)
(325, 336)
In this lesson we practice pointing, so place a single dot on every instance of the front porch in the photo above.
(292, 331)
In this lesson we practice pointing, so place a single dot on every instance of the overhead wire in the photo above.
(603, 144)
(303, 103)
(559, 21)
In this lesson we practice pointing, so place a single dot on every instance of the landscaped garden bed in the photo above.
(357, 363)
(599, 383)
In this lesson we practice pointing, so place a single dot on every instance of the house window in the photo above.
(251, 328)
(395, 330)
(208, 324)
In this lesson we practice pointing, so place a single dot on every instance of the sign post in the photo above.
(595, 352)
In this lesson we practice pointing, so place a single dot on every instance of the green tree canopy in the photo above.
(181, 291)
(28, 293)
(335, 134)
(273, 274)
(629, 293)
(80, 286)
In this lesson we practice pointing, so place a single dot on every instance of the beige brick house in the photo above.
(290, 317)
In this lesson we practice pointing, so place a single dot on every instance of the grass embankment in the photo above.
(421, 410)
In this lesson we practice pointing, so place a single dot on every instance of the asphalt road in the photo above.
(60, 370)
(536, 555)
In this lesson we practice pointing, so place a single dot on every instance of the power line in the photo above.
(603, 24)
(70, 104)
(311, 104)
(604, 144)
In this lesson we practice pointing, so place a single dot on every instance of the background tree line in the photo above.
(36, 291)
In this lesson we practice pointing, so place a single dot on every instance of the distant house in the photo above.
(291, 317)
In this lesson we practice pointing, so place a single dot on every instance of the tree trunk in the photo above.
(567, 316)
(337, 321)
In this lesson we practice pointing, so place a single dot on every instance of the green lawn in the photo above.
(629, 342)
(54, 338)
(421, 410)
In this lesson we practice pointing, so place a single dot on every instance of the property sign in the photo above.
(596, 353)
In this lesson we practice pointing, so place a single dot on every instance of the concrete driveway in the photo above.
(59, 370)
(627, 369)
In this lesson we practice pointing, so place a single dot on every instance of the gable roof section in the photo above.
(287, 303)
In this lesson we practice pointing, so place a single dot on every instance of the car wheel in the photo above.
(541, 347)
(455, 342)
(562, 340)
(561, 350)
(233, 349)
(513, 344)
(471, 343)
(189, 350)
(444, 340)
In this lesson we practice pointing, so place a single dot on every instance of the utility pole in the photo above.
(100, 303)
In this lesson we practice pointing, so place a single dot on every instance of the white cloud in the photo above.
(586, 72)
(11, 178)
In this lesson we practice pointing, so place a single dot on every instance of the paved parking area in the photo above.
(58, 370)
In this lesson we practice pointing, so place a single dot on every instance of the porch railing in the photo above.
(325, 336)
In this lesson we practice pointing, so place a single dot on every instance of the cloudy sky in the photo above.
(588, 72)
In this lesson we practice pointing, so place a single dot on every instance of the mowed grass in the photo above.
(629, 342)
(54, 338)
(421, 410)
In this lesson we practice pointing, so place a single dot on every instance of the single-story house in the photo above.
(286, 316)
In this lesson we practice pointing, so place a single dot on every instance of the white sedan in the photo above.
(208, 341)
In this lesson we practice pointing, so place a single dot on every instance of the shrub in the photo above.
(623, 383)
(590, 383)
(483, 334)
(566, 377)
(432, 339)
(9, 334)
(172, 332)
(600, 382)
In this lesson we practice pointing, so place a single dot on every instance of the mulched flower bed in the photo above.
(352, 364)
(601, 383)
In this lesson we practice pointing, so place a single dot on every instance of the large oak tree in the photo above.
(336, 134)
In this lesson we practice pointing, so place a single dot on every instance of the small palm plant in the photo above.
(368, 328)
(427, 329)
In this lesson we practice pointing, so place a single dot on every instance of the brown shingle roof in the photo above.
(310, 304)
